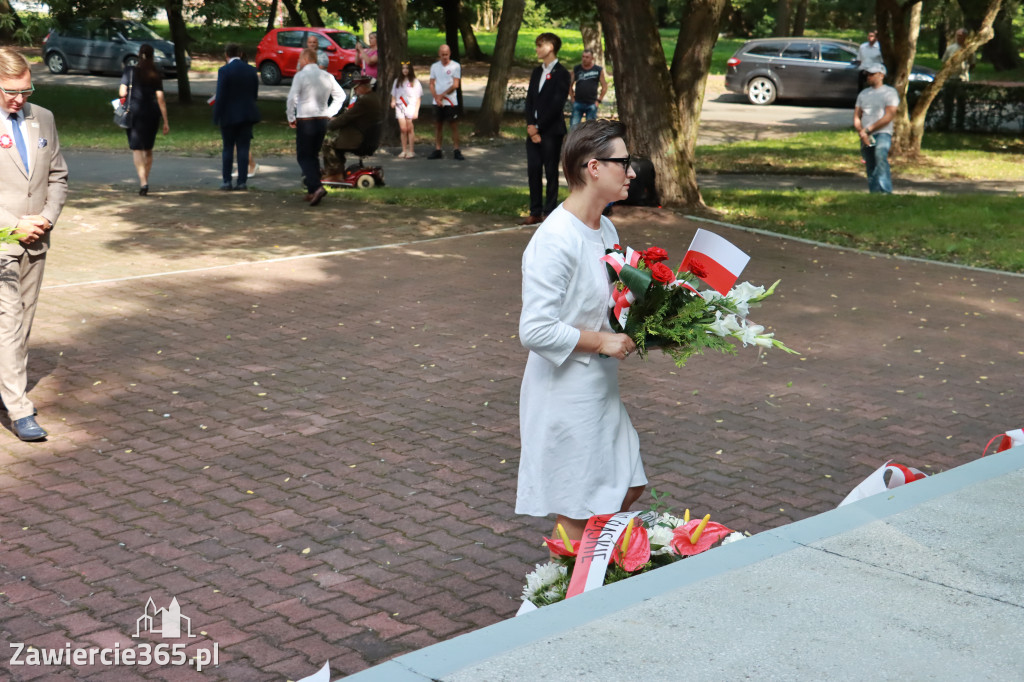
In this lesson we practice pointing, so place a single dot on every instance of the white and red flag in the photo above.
(715, 261)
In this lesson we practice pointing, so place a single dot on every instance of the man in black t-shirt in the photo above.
(583, 92)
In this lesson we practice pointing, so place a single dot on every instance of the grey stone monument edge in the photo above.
(438, 660)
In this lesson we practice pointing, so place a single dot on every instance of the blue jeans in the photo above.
(876, 159)
(579, 110)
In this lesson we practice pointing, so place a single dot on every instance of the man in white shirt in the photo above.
(868, 54)
(872, 119)
(445, 78)
(952, 99)
(313, 99)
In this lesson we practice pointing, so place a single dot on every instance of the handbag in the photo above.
(123, 112)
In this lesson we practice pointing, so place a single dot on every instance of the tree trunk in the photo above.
(800, 23)
(473, 50)
(392, 42)
(1001, 51)
(928, 95)
(179, 35)
(781, 18)
(643, 90)
(592, 39)
(698, 33)
(272, 19)
(312, 10)
(488, 122)
(898, 28)
(294, 18)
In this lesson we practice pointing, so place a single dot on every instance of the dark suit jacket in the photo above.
(237, 87)
(544, 108)
(353, 124)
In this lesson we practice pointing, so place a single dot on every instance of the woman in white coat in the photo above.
(580, 453)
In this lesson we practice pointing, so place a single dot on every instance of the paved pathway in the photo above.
(317, 456)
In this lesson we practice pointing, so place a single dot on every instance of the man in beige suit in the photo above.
(33, 187)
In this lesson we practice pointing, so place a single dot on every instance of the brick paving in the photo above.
(317, 457)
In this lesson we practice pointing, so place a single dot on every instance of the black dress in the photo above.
(145, 111)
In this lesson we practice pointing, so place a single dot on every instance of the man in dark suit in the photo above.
(347, 131)
(235, 111)
(545, 126)
(33, 188)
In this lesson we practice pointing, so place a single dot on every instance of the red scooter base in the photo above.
(363, 177)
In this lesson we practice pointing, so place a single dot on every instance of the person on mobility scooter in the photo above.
(356, 131)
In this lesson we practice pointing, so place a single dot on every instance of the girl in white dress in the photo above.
(406, 93)
(580, 453)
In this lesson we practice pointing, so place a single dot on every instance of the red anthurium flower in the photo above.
(681, 544)
(558, 547)
(655, 254)
(638, 552)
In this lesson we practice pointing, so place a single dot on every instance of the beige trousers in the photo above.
(20, 280)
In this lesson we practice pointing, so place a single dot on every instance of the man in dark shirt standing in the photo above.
(545, 126)
(583, 93)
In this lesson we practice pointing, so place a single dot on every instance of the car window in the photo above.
(102, 32)
(79, 29)
(765, 50)
(291, 38)
(133, 30)
(344, 40)
(800, 51)
(836, 53)
(321, 41)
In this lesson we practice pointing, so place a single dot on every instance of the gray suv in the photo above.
(105, 45)
(798, 68)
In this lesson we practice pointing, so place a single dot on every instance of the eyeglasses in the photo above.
(15, 93)
(624, 160)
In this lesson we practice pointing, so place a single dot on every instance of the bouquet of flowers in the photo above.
(661, 307)
(647, 542)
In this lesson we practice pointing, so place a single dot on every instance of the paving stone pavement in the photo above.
(317, 457)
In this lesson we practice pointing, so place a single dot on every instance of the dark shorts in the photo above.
(446, 113)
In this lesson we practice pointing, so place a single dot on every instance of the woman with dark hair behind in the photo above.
(580, 453)
(406, 93)
(147, 108)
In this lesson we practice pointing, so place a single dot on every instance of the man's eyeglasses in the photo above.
(624, 160)
(15, 93)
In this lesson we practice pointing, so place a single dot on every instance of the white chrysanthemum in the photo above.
(538, 580)
(660, 535)
(733, 537)
(668, 520)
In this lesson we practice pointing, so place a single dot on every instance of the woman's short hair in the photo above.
(12, 63)
(586, 141)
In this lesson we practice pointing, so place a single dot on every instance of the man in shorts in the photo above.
(445, 78)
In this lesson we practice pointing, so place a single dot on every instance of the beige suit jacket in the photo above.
(45, 190)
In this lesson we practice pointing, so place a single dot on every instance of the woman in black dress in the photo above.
(147, 108)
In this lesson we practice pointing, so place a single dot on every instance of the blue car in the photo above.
(105, 46)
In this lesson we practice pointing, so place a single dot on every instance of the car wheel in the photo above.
(347, 74)
(761, 91)
(270, 73)
(56, 63)
(365, 182)
(131, 60)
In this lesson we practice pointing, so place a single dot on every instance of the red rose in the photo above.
(655, 254)
(662, 273)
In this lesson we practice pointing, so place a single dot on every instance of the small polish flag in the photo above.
(715, 261)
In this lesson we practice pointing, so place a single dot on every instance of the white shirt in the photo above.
(869, 54)
(309, 93)
(443, 78)
(872, 103)
(545, 71)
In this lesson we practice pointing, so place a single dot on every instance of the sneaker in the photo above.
(436, 154)
(458, 156)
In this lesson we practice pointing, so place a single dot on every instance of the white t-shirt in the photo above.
(444, 77)
(407, 97)
(872, 103)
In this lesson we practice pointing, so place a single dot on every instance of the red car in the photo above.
(277, 55)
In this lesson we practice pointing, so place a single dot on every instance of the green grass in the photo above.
(967, 229)
(835, 152)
